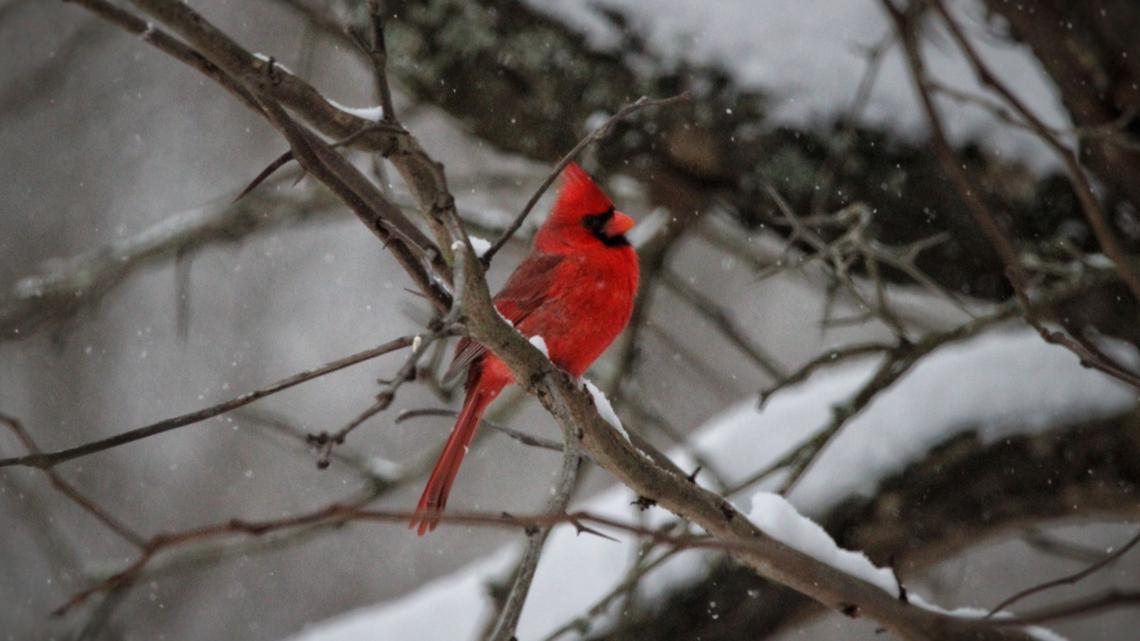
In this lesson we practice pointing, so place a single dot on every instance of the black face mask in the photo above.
(596, 225)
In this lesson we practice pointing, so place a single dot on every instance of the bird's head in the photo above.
(583, 217)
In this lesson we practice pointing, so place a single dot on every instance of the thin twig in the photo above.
(898, 362)
(67, 489)
(278, 424)
(1083, 188)
(991, 228)
(49, 459)
(722, 321)
(1068, 579)
(338, 513)
(826, 359)
(378, 53)
(518, 435)
(326, 441)
(504, 629)
(1042, 542)
(1079, 607)
(599, 607)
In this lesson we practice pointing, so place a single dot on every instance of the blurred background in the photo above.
(132, 289)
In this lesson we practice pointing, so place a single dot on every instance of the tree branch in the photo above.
(508, 620)
(68, 490)
(47, 460)
(1069, 579)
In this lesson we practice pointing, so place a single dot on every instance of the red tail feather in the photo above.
(434, 498)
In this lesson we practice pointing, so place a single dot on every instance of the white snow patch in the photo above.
(645, 230)
(810, 57)
(260, 56)
(595, 120)
(540, 343)
(778, 519)
(604, 408)
(480, 245)
(368, 113)
(385, 468)
(1038, 632)
(1000, 384)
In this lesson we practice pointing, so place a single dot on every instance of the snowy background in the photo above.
(104, 138)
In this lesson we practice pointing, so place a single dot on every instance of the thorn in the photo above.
(693, 477)
(643, 503)
(727, 511)
(589, 530)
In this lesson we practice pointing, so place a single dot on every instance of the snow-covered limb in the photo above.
(1017, 385)
(480, 245)
(605, 408)
(774, 515)
(779, 520)
(375, 114)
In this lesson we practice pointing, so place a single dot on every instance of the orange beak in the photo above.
(619, 225)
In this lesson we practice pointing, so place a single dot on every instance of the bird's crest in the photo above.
(579, 196)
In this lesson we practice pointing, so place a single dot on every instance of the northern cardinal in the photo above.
(575, 290)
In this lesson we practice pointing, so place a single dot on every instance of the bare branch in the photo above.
(68, 490)
(1069, 579)
(50, 459)
(1086, 606)
(826, 359)
(508, 620)
(521, 437)
(723, 323)
(60, 288)
(420, 343)
(377, 51)
(574, 410)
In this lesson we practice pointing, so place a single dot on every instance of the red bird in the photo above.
(575, 290)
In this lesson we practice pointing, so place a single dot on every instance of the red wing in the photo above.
(524, 292)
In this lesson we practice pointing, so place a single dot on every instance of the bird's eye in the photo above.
(596, 225)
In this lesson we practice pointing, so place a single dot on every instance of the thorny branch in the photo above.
(573, 409)
(420, 343)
